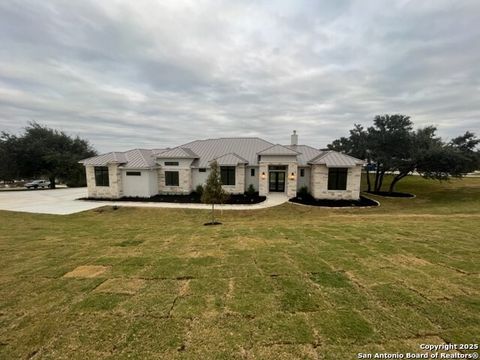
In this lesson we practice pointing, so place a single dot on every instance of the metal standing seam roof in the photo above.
(336, 159)
(231, 159)
(306, 153)
(227, 151)
(278, 149)
(178, 152)
(136, 158)
(210, 149)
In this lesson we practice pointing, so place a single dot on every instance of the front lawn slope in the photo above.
(282, 283)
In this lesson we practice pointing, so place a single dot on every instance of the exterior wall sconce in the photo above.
(263, 175)
(292, 176)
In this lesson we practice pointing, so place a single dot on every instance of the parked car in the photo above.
(38, 184)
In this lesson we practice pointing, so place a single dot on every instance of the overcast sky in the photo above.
(144, 73)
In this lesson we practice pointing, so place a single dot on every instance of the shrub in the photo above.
(250, 190)
(303, 192)
(199, 190)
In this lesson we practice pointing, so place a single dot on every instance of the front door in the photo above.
(276, 181)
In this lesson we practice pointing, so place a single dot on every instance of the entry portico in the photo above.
(278, 170)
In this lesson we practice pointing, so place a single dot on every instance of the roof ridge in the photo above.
(231, 153)
(319, 156)
(277, 145)
(141, 154)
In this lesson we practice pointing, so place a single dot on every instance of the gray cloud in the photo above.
(151, 74)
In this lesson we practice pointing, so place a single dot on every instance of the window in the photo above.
(252, 172)
(171, 178)
(337, 178)
(302, 172)
(202, 170)
(227, 175)
(101, 176)
(134, 173)
(171, 163)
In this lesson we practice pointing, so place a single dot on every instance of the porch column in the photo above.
(263, 179)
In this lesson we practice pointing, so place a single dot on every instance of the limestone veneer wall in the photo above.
(291, 182)
(113, 191)
(239, 187)
(184, 181)
(319, 184)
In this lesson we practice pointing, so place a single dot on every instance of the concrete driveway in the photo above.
(63, 202)
(57, 201)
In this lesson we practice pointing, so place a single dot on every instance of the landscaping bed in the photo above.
(310, 200)
(392, 194)
(188, 199)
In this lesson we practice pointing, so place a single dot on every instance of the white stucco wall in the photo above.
(199, 178)
(251, 179)
(145, 185)
(319, 184)
(274, 159)
(305, 180)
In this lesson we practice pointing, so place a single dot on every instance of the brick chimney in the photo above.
(294, 138)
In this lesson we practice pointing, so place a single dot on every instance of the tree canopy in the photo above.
(43, 152)
(391, 145)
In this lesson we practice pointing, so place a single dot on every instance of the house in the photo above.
(243, 162)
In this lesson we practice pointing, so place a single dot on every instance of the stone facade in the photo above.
(115, 188)
(239, 187)
(290, 177)
(263, 179)
(319, 184)
(292, 180)
(184, 181)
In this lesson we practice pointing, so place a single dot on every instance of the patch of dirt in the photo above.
(86, 271)
(184, 288)
(408, 260)
(121, 286)
(204, 253)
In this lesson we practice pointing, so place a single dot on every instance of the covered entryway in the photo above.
(276, 178)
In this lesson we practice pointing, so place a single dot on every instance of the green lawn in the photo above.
(282, 283)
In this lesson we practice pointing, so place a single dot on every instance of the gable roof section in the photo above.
(336, 159)
(136, 158)
(105, 159)
(178, 153)
(245, 147)
(306, 153)
(278, 150)
(231, 159)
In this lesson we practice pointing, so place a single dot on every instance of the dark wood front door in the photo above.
(276, 181)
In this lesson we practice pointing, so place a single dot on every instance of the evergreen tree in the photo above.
(213, 192)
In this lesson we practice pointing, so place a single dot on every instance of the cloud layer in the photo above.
(148, 73)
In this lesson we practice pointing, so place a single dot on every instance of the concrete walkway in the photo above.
(272, 200)
(64, 202)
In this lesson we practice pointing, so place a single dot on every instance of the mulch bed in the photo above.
(391, 194)
(188, 199)
(309, 200)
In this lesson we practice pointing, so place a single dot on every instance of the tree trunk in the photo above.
(377, 175)
(395, 180)
(369, 185)
(52, 182)
(380, 180)
(213, 213)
